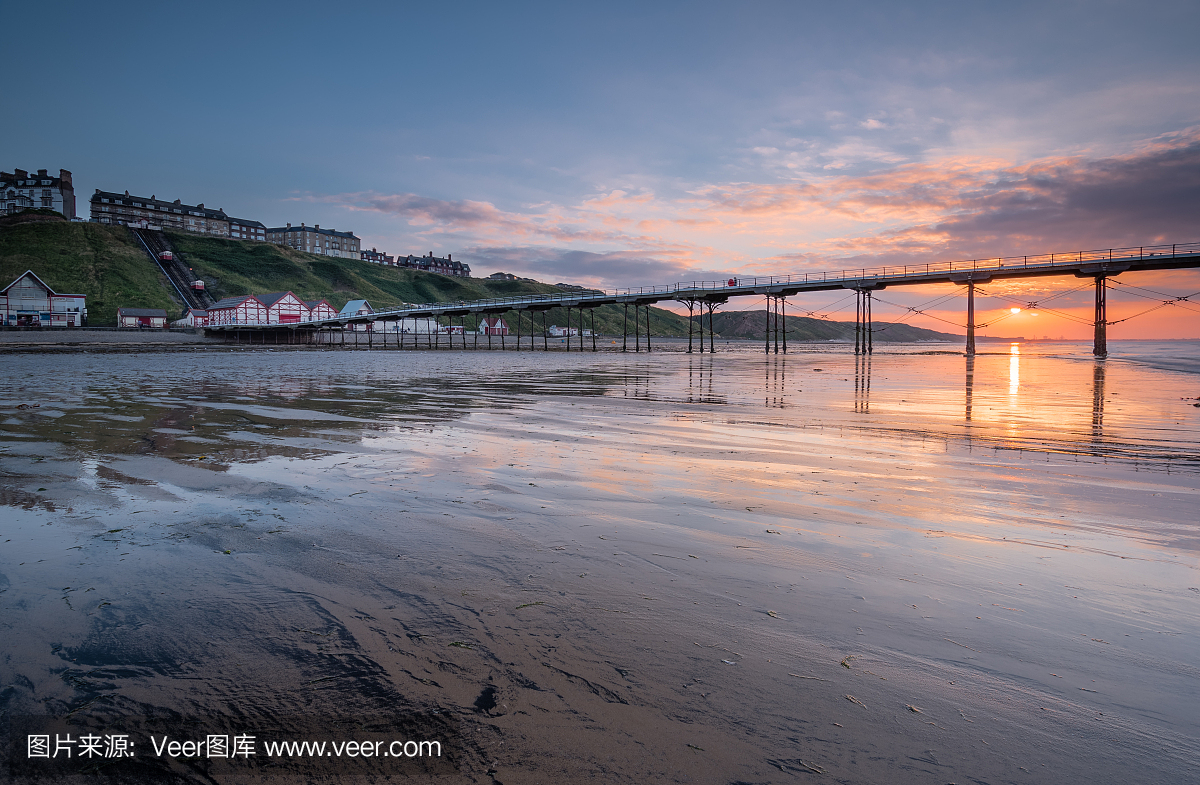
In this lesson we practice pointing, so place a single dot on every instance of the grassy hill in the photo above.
(236, 267)
(85, 258)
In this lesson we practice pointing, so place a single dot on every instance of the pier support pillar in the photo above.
(783, 321)
(691, 304)
(1100, 345)
(970, 318)
(637, 329)
(869, 331)
(858, 308)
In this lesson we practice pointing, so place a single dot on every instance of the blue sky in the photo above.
(623, 144)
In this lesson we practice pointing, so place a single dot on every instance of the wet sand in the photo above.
(634, 568)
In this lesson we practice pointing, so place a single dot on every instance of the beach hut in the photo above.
(357, 308)
(141, 317)
(492, 325)
(284, 308)
(320, 309)
(246, 309)
(192, 317)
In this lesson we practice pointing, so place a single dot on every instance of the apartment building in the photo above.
(242, 229)
(314, 239)
(435, 264)
(20, 190)
(109, 207)
(378, 257)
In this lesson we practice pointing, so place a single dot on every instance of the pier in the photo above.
(702, 298)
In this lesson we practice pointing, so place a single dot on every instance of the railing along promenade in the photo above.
(1098, 264)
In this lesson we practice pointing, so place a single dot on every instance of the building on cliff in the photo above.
(109, 207)
(314, 239)
(435, 264)
(20, 190)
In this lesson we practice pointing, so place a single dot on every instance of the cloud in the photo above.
(615, 268)
(946, 208)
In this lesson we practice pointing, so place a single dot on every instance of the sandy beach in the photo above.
(620, 568)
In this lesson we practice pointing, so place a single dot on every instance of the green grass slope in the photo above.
(237, 267)
(102, 262)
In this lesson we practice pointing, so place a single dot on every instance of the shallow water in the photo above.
(661, 567)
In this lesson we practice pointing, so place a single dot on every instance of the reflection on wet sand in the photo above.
(624, 570)
(970, 387)
(862, 383)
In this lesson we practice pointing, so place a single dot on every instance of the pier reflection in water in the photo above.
(1098, 399)
(862, 383)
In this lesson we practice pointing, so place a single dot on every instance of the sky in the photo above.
(627, 144)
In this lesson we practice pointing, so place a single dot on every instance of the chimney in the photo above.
(316, 226)
(201, 205)
(42, 173)
(21, 173)
(153, 198)
(65, 176)
(448, 258)
(302, 224)
(97, 190)
(127, 192)
(289, 225)
(178, 202)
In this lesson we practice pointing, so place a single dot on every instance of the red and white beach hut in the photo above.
(246, 309)
(284, 308)
(492, 325)
(320, 309)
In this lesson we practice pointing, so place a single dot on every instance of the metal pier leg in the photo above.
(637, 329)
(775, 319)
(857, 321)
(870, 332)
(783, 321)
(690, 304)
(1100, 346)
(647, 328)
(545, 334)
(489, 332)
(712, 333)
(593, 320)
(625, 330)
(767, 332)
(700, 328)
(502, 332)
(970, 318)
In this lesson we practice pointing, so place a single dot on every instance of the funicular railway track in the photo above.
(155, 243)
